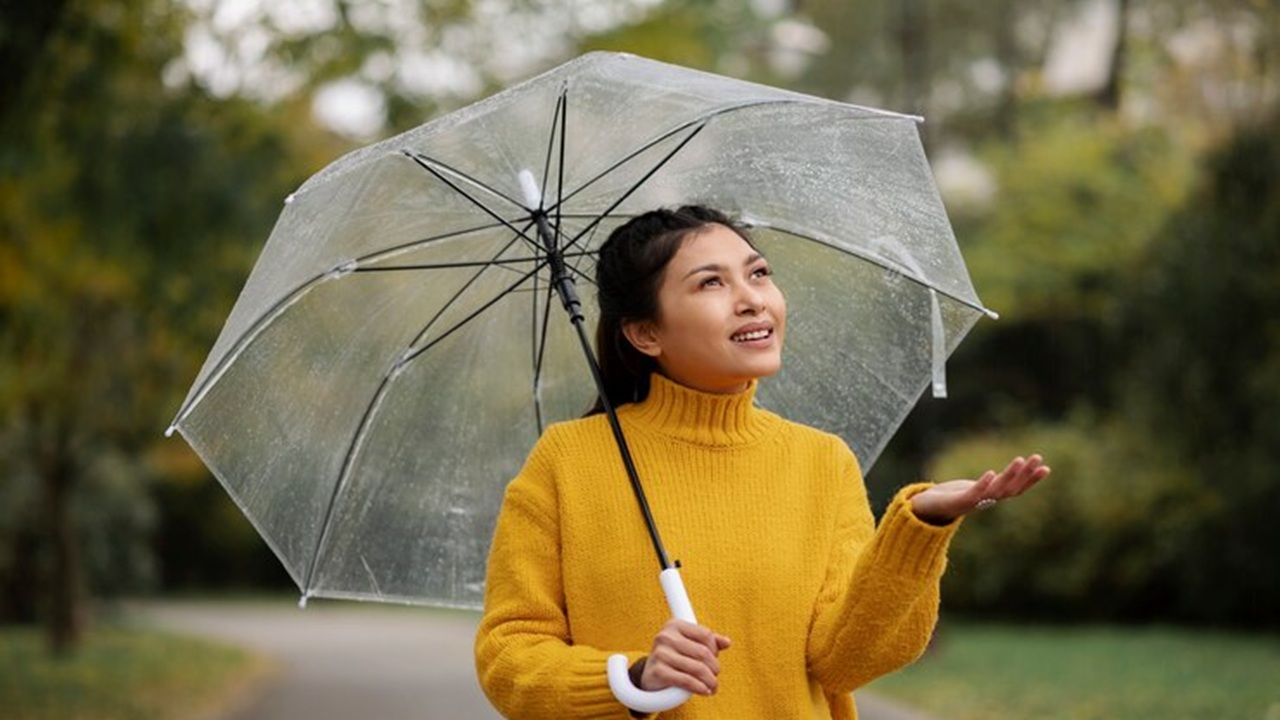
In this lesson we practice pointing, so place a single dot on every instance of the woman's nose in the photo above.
(750, 300)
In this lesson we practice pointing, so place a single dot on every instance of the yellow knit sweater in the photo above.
(779, 549)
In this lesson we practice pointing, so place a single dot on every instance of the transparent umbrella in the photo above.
(399, 345)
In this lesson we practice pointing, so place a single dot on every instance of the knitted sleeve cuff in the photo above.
(587, 687)
(585, 684)
(906, 544)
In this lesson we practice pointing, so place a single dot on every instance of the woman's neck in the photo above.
(715, 419)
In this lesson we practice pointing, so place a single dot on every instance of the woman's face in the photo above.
(721, 320)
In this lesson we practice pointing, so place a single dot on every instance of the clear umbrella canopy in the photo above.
(397, 348)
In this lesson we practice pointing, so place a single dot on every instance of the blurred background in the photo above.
(1112, 168)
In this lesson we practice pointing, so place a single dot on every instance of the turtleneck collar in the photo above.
(699, 417)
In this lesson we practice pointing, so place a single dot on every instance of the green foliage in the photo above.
(1164, 491)
(115, 517)
(1079, 196)
(708, 34)
(1079, 200)
(130, 211)
(1101, 539)
(982, 671)
(122, 674)
(1204, 369)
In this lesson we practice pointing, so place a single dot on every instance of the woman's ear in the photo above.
(643, 336)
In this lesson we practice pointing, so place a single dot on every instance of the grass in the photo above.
(994, 672)
(122, 673)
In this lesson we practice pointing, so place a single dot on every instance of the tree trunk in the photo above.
(913, 37)
(1006, 119)
(66, 620)
(21, 584)
(23, 44)
(1110, 95)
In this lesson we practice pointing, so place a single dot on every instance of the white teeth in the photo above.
(753, 335)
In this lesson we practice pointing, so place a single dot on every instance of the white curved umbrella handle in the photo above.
(655, 701)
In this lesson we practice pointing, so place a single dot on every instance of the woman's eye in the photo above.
(710, 282)
(763, 271)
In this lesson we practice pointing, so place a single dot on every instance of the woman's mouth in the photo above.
(752, 335)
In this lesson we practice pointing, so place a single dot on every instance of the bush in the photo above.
(1099, 540)
(1203, 370)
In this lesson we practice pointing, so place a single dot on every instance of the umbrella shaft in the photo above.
(632, 474)
(560, 277)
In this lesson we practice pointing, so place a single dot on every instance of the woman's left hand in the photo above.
(944, 502)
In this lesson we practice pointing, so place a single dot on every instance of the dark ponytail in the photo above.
(629, 273)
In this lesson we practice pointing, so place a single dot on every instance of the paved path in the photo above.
(343, 661)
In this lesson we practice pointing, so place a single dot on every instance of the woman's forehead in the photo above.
(715, 244)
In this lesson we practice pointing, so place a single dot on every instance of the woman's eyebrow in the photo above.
(718, 268)
(709, 267)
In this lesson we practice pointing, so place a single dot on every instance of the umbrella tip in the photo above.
(168, 432)
(991, 313)
(302, 601)
(529, 186)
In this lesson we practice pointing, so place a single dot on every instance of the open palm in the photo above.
(949, 500)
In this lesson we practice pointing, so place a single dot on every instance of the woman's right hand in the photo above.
(686, 656)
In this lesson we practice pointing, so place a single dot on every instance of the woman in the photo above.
(769, 518)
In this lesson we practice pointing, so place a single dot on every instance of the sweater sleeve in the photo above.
(879, 603)
(526, 661)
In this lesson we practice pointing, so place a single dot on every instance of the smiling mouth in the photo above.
(752, 335)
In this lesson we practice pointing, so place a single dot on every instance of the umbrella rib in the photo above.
(500, 264)
(533, 351)
(427, 163)
(582, 274)
(882, 263)
(564, 141)
(422, 160)
(495, 261)
(540, 353)
(413, 353)
(462, 290)
(540, 344)
(413, 244)
(622, 198)
(699, 121)
(357, 441)
(259, 325)
(558, 116)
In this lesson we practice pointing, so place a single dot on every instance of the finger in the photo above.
(697, 633)
(982, 487)
(660, 677)
(667, 646)
(1013, 469)
(673, 669)
(1010, 481)
(1041, 473)
(1031, 473)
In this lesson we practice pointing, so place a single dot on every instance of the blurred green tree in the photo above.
(1102, 541)
(1165, 484)
(128, 207)
(711, 35)
(1204, 372)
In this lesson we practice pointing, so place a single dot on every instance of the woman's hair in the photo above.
(629, 273)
